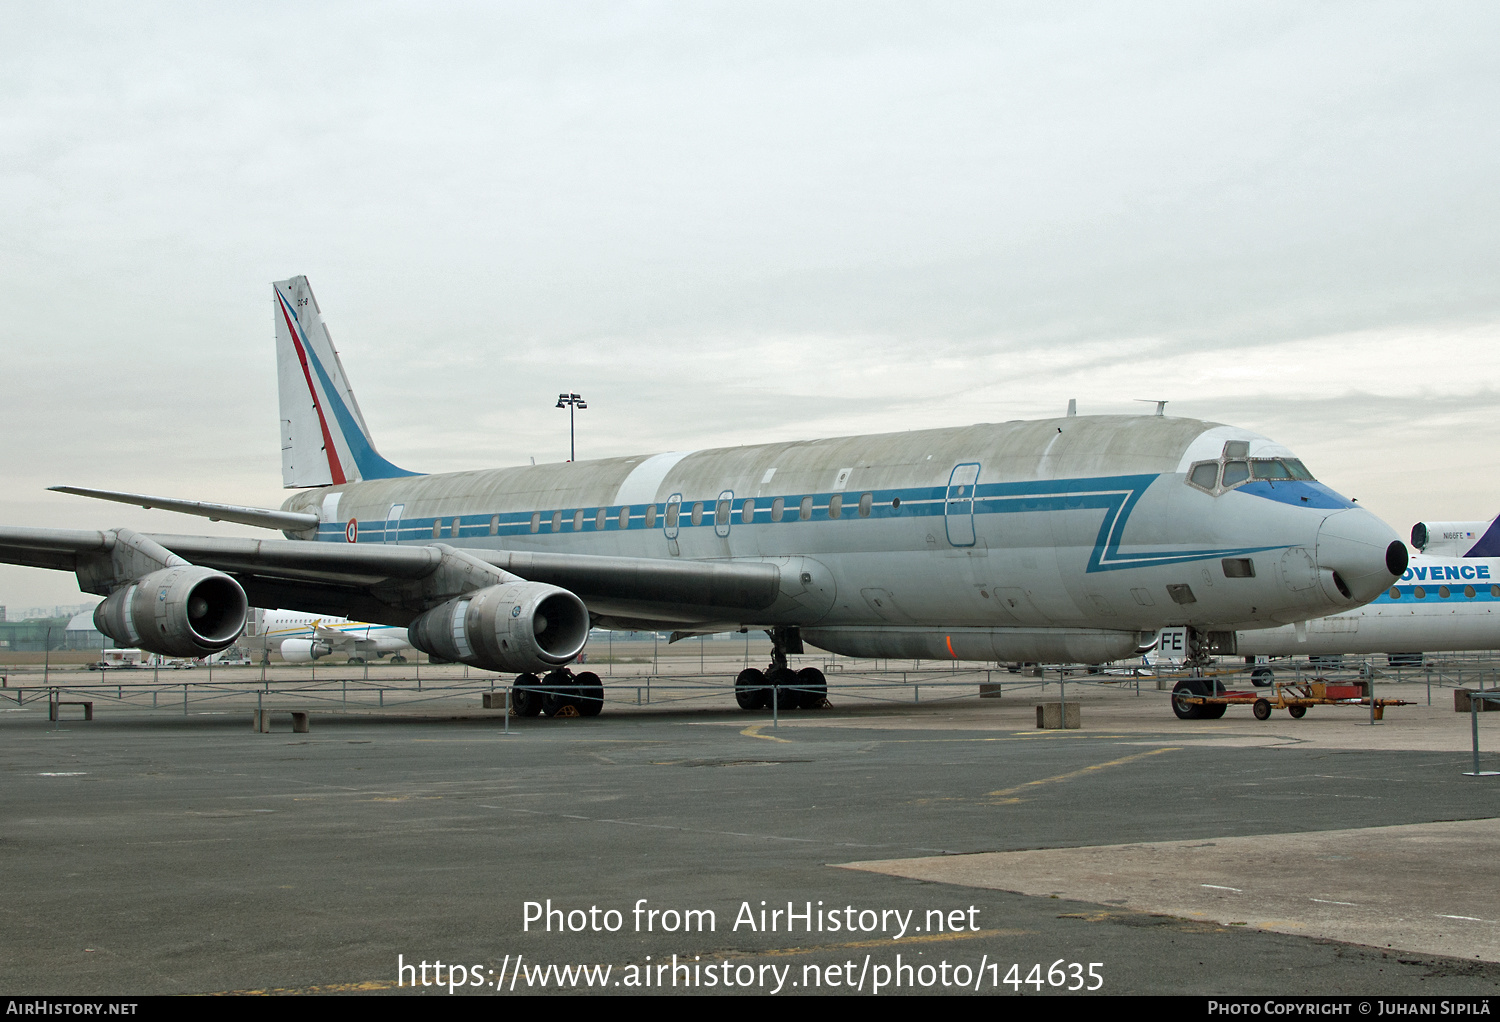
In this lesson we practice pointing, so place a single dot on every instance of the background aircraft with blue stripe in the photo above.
(1061, 540)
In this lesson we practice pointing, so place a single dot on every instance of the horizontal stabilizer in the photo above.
(262, 518)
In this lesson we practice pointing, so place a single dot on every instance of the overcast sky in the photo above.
(733, 223)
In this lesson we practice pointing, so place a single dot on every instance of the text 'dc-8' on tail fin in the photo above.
(324, 439)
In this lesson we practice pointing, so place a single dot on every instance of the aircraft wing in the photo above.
(392, 584)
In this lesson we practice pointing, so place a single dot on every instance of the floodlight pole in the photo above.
(572, 401)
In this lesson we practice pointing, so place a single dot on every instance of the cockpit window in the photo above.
(1268, 468)
(1206, 475)
(1235, 467)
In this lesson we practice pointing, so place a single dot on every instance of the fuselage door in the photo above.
(674, 512)
(393, 522)
(722, 513)
(958, 508)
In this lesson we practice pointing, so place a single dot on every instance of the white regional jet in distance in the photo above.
(1447, 599)
(303, 638)
(1061, 540)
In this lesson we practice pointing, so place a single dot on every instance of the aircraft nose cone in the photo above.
(1358, 555)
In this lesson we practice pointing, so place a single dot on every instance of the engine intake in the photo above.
(186, 611)
(514, 626)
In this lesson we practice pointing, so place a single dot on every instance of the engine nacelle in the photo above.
(514, 626)
(303, 651)
(1447, 539)
(185, 611)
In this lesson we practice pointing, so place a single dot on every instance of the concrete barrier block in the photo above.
(1049, 716)
(301, 724)
(260, 721)
(989, 691)
(494, 700)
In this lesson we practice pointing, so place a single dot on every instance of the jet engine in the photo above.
(303, 651)
(184, 611)
(514, 626)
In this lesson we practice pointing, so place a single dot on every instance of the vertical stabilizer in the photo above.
(324, 439)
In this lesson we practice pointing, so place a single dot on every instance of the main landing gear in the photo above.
(560, 694)
(806, 689)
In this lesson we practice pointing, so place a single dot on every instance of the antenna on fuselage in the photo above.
(1161, 406)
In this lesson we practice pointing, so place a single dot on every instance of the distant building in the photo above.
(81, 634)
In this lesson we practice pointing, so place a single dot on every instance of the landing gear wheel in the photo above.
(590, 694)
(356, 660)
(1186, 710)
(1261, 709)
(1261, 677)
(398, 659)
(524, 700)
(750, 689)
(781, 680)
(1297, 712)
(558, 696)
(814, 688)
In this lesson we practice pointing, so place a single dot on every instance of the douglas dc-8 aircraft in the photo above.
(1447, 599)
(1070, 539)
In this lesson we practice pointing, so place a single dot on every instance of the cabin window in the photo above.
(624, 517)
(721, 513)
(805, 511)
(1239, 567)
(578, 520)
(1395, 592)
(437, 529)
(600, 517)
(747, 512)
(895, 503)
(1469, 591)
(836, 506)
(778, 509)
(673, 510)
(557, 521)
(454, 531)
(650, 516)
(1205, 476)
(1235, 472)
(494, 525)
(1443, 592)
(536, 521)
(697, 512)
(1420, 593)
(866, 502)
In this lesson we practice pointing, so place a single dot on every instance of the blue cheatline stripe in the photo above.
(370, 464)
(1116, 496)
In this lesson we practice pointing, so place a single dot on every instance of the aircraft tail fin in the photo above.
(324, 439)
(1457, 539)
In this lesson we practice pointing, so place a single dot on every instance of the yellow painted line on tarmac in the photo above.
(753, 731)
(1003, 794)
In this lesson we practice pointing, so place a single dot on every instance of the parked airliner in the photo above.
(302, 638)
(1067, 539)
